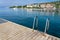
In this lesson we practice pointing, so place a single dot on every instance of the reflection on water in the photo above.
(26, 16)
(57, 13)
(45, 12)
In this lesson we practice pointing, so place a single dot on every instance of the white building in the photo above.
(33, 5)
(43, 5)
(29, 6)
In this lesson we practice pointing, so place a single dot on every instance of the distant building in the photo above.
(29, 6)
(49, 5)
(43, 5)
(33, 5)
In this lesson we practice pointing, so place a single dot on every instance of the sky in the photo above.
(21, 2)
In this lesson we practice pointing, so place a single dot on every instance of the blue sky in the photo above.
(21, 2)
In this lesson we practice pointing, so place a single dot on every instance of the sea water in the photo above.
(25, 17)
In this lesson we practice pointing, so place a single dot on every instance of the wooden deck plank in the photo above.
(13, 31)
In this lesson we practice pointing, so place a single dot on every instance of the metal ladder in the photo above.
(36, 21)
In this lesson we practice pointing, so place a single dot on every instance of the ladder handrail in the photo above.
(46, 26)
(35, 21)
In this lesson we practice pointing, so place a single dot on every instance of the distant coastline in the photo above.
(48, 5)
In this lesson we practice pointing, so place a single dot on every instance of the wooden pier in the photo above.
(13, 31)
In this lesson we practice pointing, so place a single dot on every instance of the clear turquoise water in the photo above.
(25, 17)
